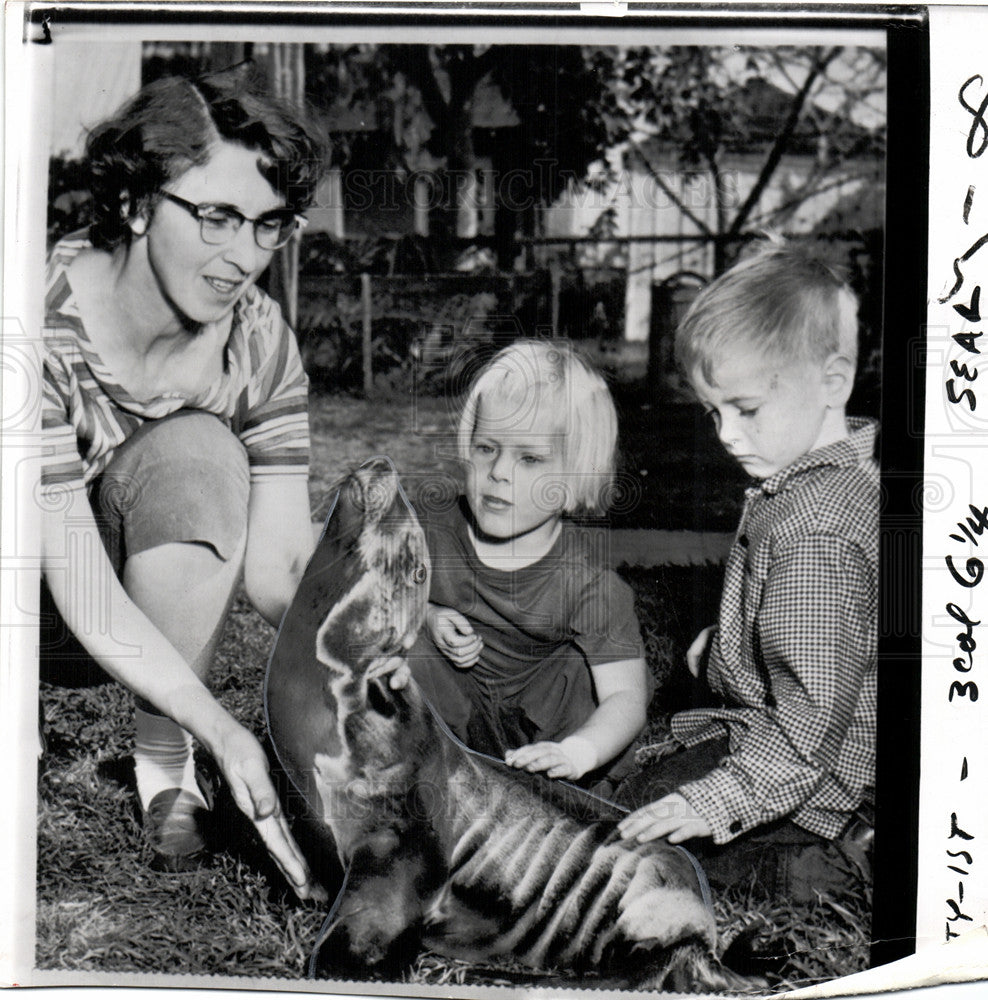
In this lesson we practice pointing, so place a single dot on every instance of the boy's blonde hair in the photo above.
(535, 372)
(783, 301)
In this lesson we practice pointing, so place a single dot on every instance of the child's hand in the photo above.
(671, 816)
(697, 651)
(454, 636)
(395, 668)
(570, 758)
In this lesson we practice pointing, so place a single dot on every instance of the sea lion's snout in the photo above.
(393, 546)
(376, 482)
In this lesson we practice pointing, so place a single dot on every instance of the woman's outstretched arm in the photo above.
(125, 643)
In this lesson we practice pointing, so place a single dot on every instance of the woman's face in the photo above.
(201, 281)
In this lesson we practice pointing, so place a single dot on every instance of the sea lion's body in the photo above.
(444, 847)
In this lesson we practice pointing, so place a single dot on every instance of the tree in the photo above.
(446, 78)
(707, 101)
(558, 98)
(424, 98)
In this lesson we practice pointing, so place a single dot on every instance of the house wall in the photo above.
(88, 89)
(641, 207)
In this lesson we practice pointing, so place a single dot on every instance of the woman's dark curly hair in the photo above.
(171, 125)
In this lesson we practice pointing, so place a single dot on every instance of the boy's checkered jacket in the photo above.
(794, 655)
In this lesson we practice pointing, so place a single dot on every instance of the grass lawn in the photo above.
(101, 908)
(673, 472)
(680, 475)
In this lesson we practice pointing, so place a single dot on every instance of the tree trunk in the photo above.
(286, 73)
(720, 245)
(781, 143)
(457, 144)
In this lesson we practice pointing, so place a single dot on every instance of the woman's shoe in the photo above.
(173, 824)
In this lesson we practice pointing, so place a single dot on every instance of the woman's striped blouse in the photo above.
(262, 394)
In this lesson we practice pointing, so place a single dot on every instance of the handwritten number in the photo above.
(978, 521)
(978, 126)
(975, 568)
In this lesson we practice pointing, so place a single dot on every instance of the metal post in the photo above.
(367, 345)
(286, 76)
(556, 281)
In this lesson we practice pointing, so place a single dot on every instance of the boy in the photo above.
(785, 765)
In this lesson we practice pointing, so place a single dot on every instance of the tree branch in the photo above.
(781, 142)
(803, 195)
(669, 192)
(714, 167)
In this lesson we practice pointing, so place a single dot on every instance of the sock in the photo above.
(162, 757)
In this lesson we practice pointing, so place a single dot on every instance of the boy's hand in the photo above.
(569, 758)
(671, 816)
(454, 636)
(698, 650)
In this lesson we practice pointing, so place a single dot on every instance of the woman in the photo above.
(177, 430)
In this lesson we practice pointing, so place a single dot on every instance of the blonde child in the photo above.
(532, 651)
(784, 766)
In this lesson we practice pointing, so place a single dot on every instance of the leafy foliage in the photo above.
(706, 101)
(427, 328)
(420, 100)
(558, 97)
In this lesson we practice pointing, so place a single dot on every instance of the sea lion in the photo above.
(444, 847)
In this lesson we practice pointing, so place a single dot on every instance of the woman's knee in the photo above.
(182, 479)
(194, 433)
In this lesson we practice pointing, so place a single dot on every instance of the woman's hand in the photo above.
(571, 757)
(245, 767)
(454, 636)
(671, 816)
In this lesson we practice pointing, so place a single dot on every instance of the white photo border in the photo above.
(949, 436)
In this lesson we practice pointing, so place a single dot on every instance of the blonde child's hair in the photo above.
(782, 301)
(530, 373)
